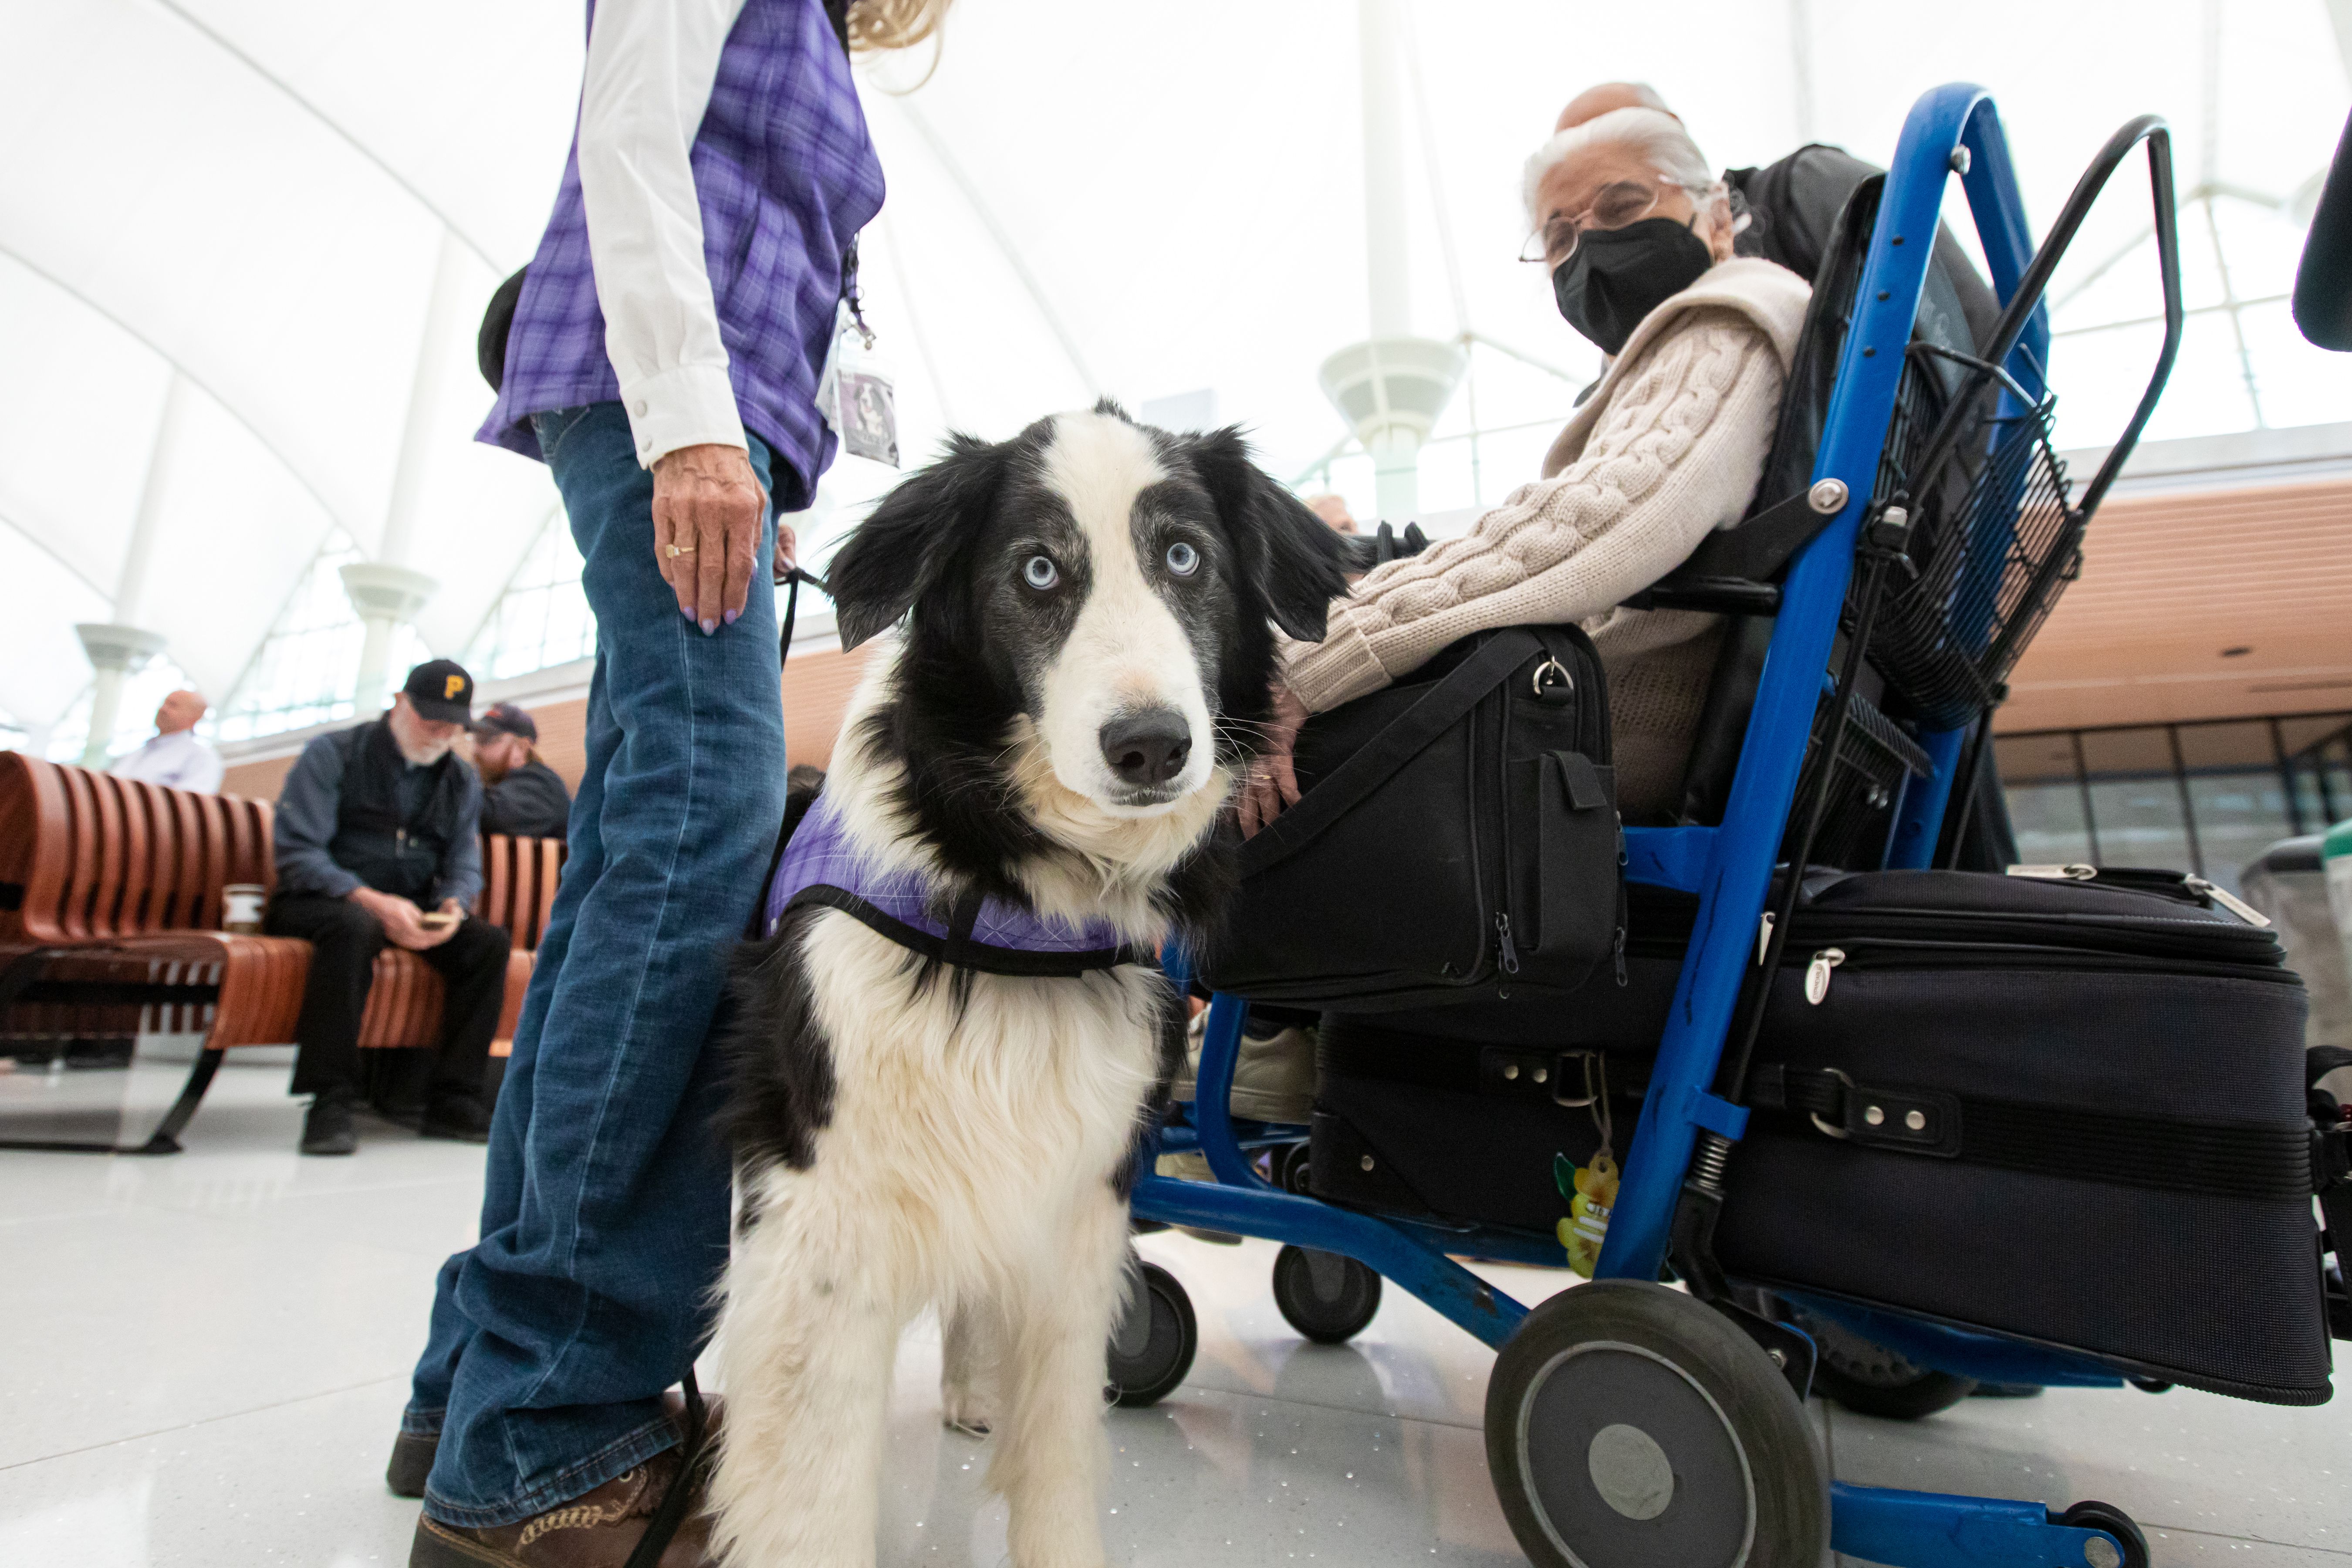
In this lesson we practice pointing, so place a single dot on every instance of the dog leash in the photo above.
(793, 578)
(671, 1513)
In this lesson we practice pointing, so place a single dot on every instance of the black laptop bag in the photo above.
(1456, 836)
(2072, 1110)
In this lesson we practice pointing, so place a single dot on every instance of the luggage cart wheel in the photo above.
(1871, 1380)
(1323, 1295)
(1629, 1424)
(2107, 1516)
(1152, 1347)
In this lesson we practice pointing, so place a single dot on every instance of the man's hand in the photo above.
(1273, 781)
(707, 508)
(399, 919)
(436, 935)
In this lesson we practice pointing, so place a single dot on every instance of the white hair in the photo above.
(1653, 133)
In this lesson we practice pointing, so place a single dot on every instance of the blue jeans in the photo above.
(604, 1206)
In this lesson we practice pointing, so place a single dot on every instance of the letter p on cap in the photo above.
(451, 685)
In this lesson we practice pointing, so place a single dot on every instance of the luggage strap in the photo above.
(2130, 1151)
(2331, 1150)
(1446, 704)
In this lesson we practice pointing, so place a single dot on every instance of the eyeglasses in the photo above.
(1618, 204)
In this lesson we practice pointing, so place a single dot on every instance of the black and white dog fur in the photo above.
(1083, 665)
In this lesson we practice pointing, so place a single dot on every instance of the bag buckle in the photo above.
(1551, 681)
(1815, 1116)
(1591, 1095)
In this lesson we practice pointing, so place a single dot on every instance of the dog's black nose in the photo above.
(1147, 747)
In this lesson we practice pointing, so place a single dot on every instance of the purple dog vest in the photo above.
(821, 865)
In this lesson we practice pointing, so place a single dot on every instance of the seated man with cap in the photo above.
(378, 840)
(520, 795)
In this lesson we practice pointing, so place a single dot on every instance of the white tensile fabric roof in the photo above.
(1135, 200)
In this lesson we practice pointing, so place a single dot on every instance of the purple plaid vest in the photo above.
(821, 865)
(787, 176)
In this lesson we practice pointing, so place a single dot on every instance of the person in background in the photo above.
(663, 359)
(175, 758)
(1333, 509)
(520, 795)
(377, 839)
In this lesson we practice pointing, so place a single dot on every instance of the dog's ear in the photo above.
(1290, 555)
(910, 542)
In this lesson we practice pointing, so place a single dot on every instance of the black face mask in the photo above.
(1618, 276)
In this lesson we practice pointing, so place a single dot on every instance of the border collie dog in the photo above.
(1048, 746)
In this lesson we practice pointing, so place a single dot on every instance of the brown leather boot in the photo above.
(596, 1530)
(413, 1454)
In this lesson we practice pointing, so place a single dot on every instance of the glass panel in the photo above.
(2047, 757)
(2333, 767)
(2239, 816)
(2048, 820)
(2045, 801)
(2135, 799)
(2308, 730)
(2236, 793)
(542, 618)
(307, 668)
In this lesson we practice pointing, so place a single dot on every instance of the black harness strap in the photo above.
(959, 951)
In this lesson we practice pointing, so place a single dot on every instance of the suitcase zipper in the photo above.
(1873, 952)
(2206, 892)
(1509, 954)
(2228, 900)
(1817, 973)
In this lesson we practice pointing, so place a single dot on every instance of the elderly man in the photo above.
(378, 841)
(520, 795)
(175, 758)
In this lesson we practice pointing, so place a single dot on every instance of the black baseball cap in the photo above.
(506, 719)
(441, 691)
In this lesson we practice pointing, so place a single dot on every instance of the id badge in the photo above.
(855, 396)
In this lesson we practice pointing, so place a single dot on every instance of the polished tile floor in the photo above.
(205, 1358)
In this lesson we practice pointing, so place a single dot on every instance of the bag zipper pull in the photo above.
(2228, 900)
(1817, 973)
(1764, 937)
(2073, 873)
(1510, 955)
(1620, 945)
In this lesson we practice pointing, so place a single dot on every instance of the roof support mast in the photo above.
(387, 591)
(1392, 387)
(119, 648)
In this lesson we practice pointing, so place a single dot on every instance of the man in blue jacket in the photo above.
(377, 840)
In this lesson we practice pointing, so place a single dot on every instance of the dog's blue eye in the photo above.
(1040, 573)
(1182, 558)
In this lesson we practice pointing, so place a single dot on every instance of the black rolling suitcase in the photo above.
(2071, 1110)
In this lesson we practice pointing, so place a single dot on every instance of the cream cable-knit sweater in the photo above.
(1669, 447)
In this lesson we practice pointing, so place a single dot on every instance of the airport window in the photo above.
(306, 670)
(2202, 797)
(542, 618)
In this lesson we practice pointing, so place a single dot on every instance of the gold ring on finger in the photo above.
(678, 549)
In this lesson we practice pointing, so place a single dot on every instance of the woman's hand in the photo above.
(1273, 782)
(708, 508)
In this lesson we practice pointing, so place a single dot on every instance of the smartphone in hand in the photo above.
(437, 920)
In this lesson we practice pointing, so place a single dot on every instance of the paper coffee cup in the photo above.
(241, 908)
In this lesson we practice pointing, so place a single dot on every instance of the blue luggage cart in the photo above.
(1720, 1390)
